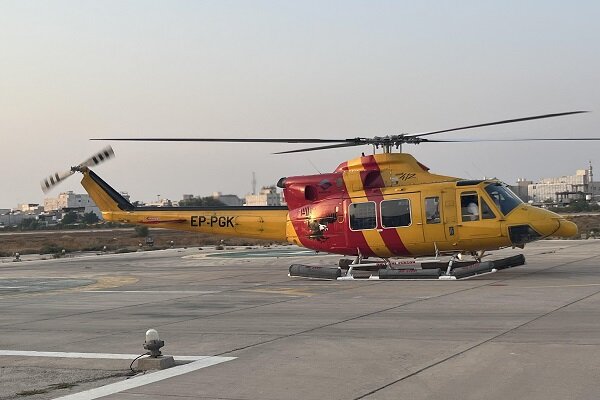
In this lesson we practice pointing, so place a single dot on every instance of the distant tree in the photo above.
(575, 206)
(141, 231)
(90, 218)
(202, 202)
(69, 218)
(578, 205)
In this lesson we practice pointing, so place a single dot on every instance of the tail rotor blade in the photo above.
(103, 155)
(54, 179)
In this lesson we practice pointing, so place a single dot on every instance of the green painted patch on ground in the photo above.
(33, 285)
(264, 253)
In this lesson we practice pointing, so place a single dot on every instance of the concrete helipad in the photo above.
(530, 332)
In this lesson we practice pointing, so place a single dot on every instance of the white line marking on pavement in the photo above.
(558, 286)
(198, 362)
(142, 380)
(106, 356)
(154, 291)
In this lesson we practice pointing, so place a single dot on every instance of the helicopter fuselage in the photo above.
(389, 205)
(383, 205)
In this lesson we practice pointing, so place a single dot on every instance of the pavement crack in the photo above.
(491, 339)
(391, 308)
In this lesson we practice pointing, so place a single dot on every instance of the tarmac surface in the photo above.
(530, 332)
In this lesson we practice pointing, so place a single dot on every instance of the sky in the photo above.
(75, 70)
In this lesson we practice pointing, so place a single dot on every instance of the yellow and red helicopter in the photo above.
(385, 205)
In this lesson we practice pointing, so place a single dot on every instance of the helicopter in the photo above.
(383, 205)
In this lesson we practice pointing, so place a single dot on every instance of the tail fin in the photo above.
(106, 198)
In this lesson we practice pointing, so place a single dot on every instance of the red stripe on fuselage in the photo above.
(354, 239)
(390, 236)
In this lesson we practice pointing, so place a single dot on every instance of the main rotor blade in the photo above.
(229, 140)
(334, 146)
(507, 121)
(508, 140)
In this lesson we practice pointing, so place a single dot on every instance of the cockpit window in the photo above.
(469, 206)
(486, 211)
(504, 198)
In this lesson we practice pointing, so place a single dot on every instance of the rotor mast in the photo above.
(390, 142)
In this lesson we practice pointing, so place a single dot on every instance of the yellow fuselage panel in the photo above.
(256, 224)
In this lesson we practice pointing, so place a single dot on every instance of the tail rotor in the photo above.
(51, 181)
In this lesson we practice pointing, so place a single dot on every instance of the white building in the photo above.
(268, 196)
(565, 188)
(162, 203)
(71, 200)
(29, 208)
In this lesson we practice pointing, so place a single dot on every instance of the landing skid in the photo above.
(407, 270)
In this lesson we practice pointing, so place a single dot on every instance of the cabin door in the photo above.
(477, 219)
(449, 219)
(433, 217)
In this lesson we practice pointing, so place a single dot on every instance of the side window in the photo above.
(432, 210)
(486, 211)
(362, 216)
(395, 213)
(469, 206)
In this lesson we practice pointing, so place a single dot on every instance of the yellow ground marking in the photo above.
(284, 290)
(106, 282)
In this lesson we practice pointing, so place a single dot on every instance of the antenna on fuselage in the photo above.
(313, 165)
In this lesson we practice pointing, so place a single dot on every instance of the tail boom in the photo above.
(249, 222)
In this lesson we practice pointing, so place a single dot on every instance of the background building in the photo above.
(71, 201)
(521, 189)
(565, 188)
(30, 208)
(267, 196)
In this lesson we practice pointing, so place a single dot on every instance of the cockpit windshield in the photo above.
(504, 198)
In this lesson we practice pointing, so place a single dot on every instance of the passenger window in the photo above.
(362, 216)
(395, 213)
(486, 211)
(469, 206)
(432, 210)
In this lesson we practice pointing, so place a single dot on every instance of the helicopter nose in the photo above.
(566, 229)
(546, 227)
(532, 223)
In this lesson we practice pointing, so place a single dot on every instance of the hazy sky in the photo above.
(73, 70)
